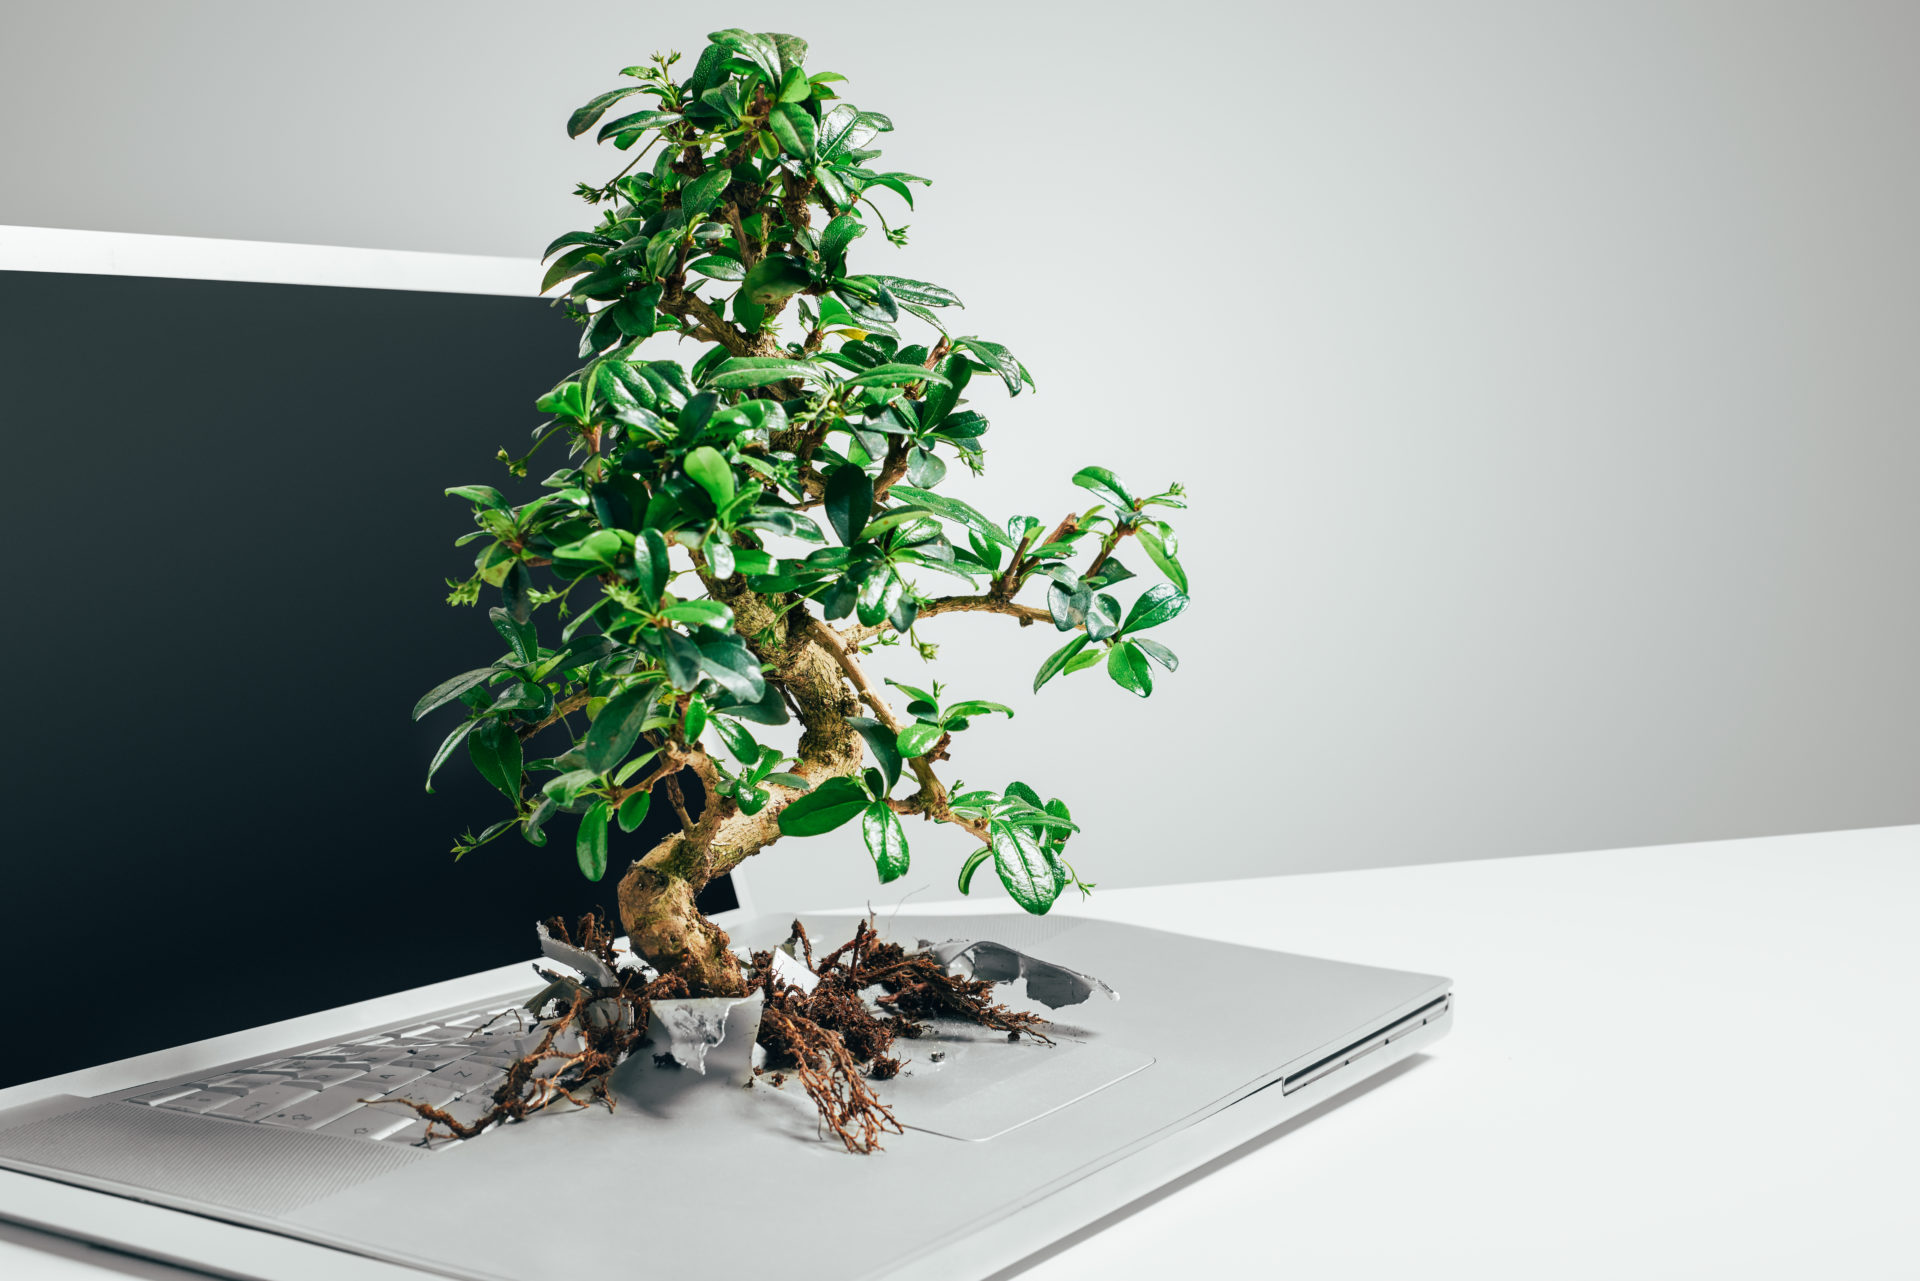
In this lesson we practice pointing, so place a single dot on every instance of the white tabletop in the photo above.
(1684, 1061)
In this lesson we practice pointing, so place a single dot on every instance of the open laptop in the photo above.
(249, 1151)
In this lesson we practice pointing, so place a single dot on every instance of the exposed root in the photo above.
(831, 1039)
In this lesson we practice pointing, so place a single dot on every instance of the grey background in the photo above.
(1543, 374)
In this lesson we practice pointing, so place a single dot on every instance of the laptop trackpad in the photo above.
(964, 1082)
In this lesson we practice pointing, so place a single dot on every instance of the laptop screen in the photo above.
(227, 590)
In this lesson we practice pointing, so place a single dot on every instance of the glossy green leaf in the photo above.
(832, 803)
(583, 119)
(1158, 604)
(1105, 484)
(590, 847)
(1057, 661)
(633, 810)
(447, 745)
(886, 840)
(1128, 667)
(1023, 866)
(700, 613)
(612, 734)
(1157, 652)
(448, 690)
(495, 750)
(894, 376)
(742, 372)
(794, 128)
(881, 742)
(976, 707)
(711, 471)
(972, 865)
(849, 501)
(953, 509)
(1160, 552)
(918, 738)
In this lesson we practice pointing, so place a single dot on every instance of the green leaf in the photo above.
(583, 119)
(1057, 661)
(612, 734)
(637, 121)
(975, 707)
(590, 848)
(742, 372)
(1103, 620)
(1160, 552)
(1158, 604)
(740, 743)
(920, 291)
(918, 738)
(794, 128)
(719, 267)
(770, 282)
(650, 563)
(881, 742)
(453, 740)
(633, 810)
(700, 613)
(703, 193)
(955, 510)
(1082, 661)
(826, 807)
(1106, 485)
(886, 841)
(1128, 667)
(972, 865)
(996, 358)
(482, 495)
(895, 376)
(519, 636)
(1023, 866)
(1157, 652)
(849, 501)
(709, 467)
(727, 660)
(448, 690)
(495, 750)
(939, 401)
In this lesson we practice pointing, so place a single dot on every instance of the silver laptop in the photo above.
(259, 1154)
(1010, 1146)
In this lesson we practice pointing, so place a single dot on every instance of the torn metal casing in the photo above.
(595, 972)
(1051, 985)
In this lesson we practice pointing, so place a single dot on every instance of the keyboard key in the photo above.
(311, 1114)
(322, 1076)
(385, 1077)
(415, 1131)
(165, 1094)
(425, 1091)
(435, 1056)
(201, 1101)
(468, 1076)
(369, 1123)
(263, 1102)
(245, 1081)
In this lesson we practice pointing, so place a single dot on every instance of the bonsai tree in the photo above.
(724, 543)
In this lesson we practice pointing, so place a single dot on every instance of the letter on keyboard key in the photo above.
(311, 1114)
(263, 1102)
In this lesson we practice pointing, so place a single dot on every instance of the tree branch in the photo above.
(989, 604)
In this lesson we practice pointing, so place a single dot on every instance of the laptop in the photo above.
(254, 1151)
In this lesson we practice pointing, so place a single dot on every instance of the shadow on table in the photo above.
(1218, 1163)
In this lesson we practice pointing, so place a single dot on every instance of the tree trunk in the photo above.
(656, 895)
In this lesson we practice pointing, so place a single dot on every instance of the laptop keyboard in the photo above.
(353, 1089)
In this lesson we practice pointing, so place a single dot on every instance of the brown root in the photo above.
(829, 1039)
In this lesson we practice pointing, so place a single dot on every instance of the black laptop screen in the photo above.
(227, 554)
